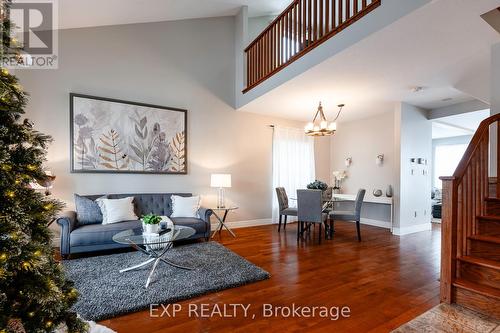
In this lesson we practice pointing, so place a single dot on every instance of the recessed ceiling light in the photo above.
(447, 99)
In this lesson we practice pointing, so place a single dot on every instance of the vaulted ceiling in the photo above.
(443, 47)
(89, 13)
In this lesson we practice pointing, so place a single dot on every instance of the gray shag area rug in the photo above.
(106, 293)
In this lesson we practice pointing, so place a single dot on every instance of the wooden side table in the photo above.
(222, 221)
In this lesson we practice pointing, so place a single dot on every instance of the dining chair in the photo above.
(328, 198)
(310, 211)
(343, 215)
(284, 209)
(327, 194)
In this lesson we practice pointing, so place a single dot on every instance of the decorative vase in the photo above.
(151, 228)
(388, 192)
(377, 193)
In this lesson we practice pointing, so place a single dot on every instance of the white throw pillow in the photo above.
(117, 210)
(185, 206)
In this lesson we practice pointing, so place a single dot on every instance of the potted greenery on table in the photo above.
(151, 223)
(317, 185)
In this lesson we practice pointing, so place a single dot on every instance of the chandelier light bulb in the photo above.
(320, 125)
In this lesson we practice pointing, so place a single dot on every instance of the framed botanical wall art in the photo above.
(109, 135)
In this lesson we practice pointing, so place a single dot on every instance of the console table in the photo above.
(370, 199)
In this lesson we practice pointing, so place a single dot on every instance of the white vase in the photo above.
(151, 228)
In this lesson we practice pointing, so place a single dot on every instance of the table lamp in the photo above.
(220, 180)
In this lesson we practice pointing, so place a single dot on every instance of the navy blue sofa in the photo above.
(79, 238)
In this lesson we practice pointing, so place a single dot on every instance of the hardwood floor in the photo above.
(385, 281)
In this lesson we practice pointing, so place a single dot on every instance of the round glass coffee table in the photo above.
(153, 245)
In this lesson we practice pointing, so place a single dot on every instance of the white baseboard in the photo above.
(255, 223)
(412, 229)
(376, 223)
(244, 224)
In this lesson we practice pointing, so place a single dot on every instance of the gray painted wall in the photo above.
(187, 64)
(455, 109)
(495, 79)
(363, 140)
(257, 24)
(414, 198)
(495, 105)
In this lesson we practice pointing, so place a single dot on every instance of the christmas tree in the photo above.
(34, 294)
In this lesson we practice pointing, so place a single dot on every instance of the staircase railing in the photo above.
(464, 196)
(301, 27)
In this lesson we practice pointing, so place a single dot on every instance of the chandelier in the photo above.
(320, 126)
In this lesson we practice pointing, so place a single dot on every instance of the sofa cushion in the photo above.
(93, 234)
(197, 224)
(117, 210)
(87, 210)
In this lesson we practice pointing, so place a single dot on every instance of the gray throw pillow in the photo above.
(87, 210)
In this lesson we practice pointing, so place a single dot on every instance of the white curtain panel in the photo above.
(293, 163)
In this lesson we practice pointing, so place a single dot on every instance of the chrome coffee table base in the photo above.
(155, 258)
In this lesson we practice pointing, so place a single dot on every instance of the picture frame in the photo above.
(117, 136)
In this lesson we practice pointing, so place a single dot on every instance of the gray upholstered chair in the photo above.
(285, 210)
(354, 215)
(310, 211)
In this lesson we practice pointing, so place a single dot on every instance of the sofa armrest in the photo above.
(67, 221)
(205, 214)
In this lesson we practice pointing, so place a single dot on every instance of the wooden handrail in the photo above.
(473, 145)
(301, 27)
(464, 200)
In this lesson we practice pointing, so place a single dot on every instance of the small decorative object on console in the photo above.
(377, 193)
(389, 192)
(338, 177)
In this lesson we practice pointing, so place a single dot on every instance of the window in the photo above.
(446, 161)
(293, 162)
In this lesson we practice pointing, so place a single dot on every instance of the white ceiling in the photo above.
(439, 45)
(91, 13)
(458, 125)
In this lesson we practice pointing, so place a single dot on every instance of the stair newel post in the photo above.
(448, 237)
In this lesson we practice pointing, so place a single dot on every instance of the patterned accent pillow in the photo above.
(87, 210)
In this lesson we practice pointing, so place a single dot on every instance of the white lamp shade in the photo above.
(220, 180)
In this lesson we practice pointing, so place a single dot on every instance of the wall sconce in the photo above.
(380, 159)
(348, 161)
